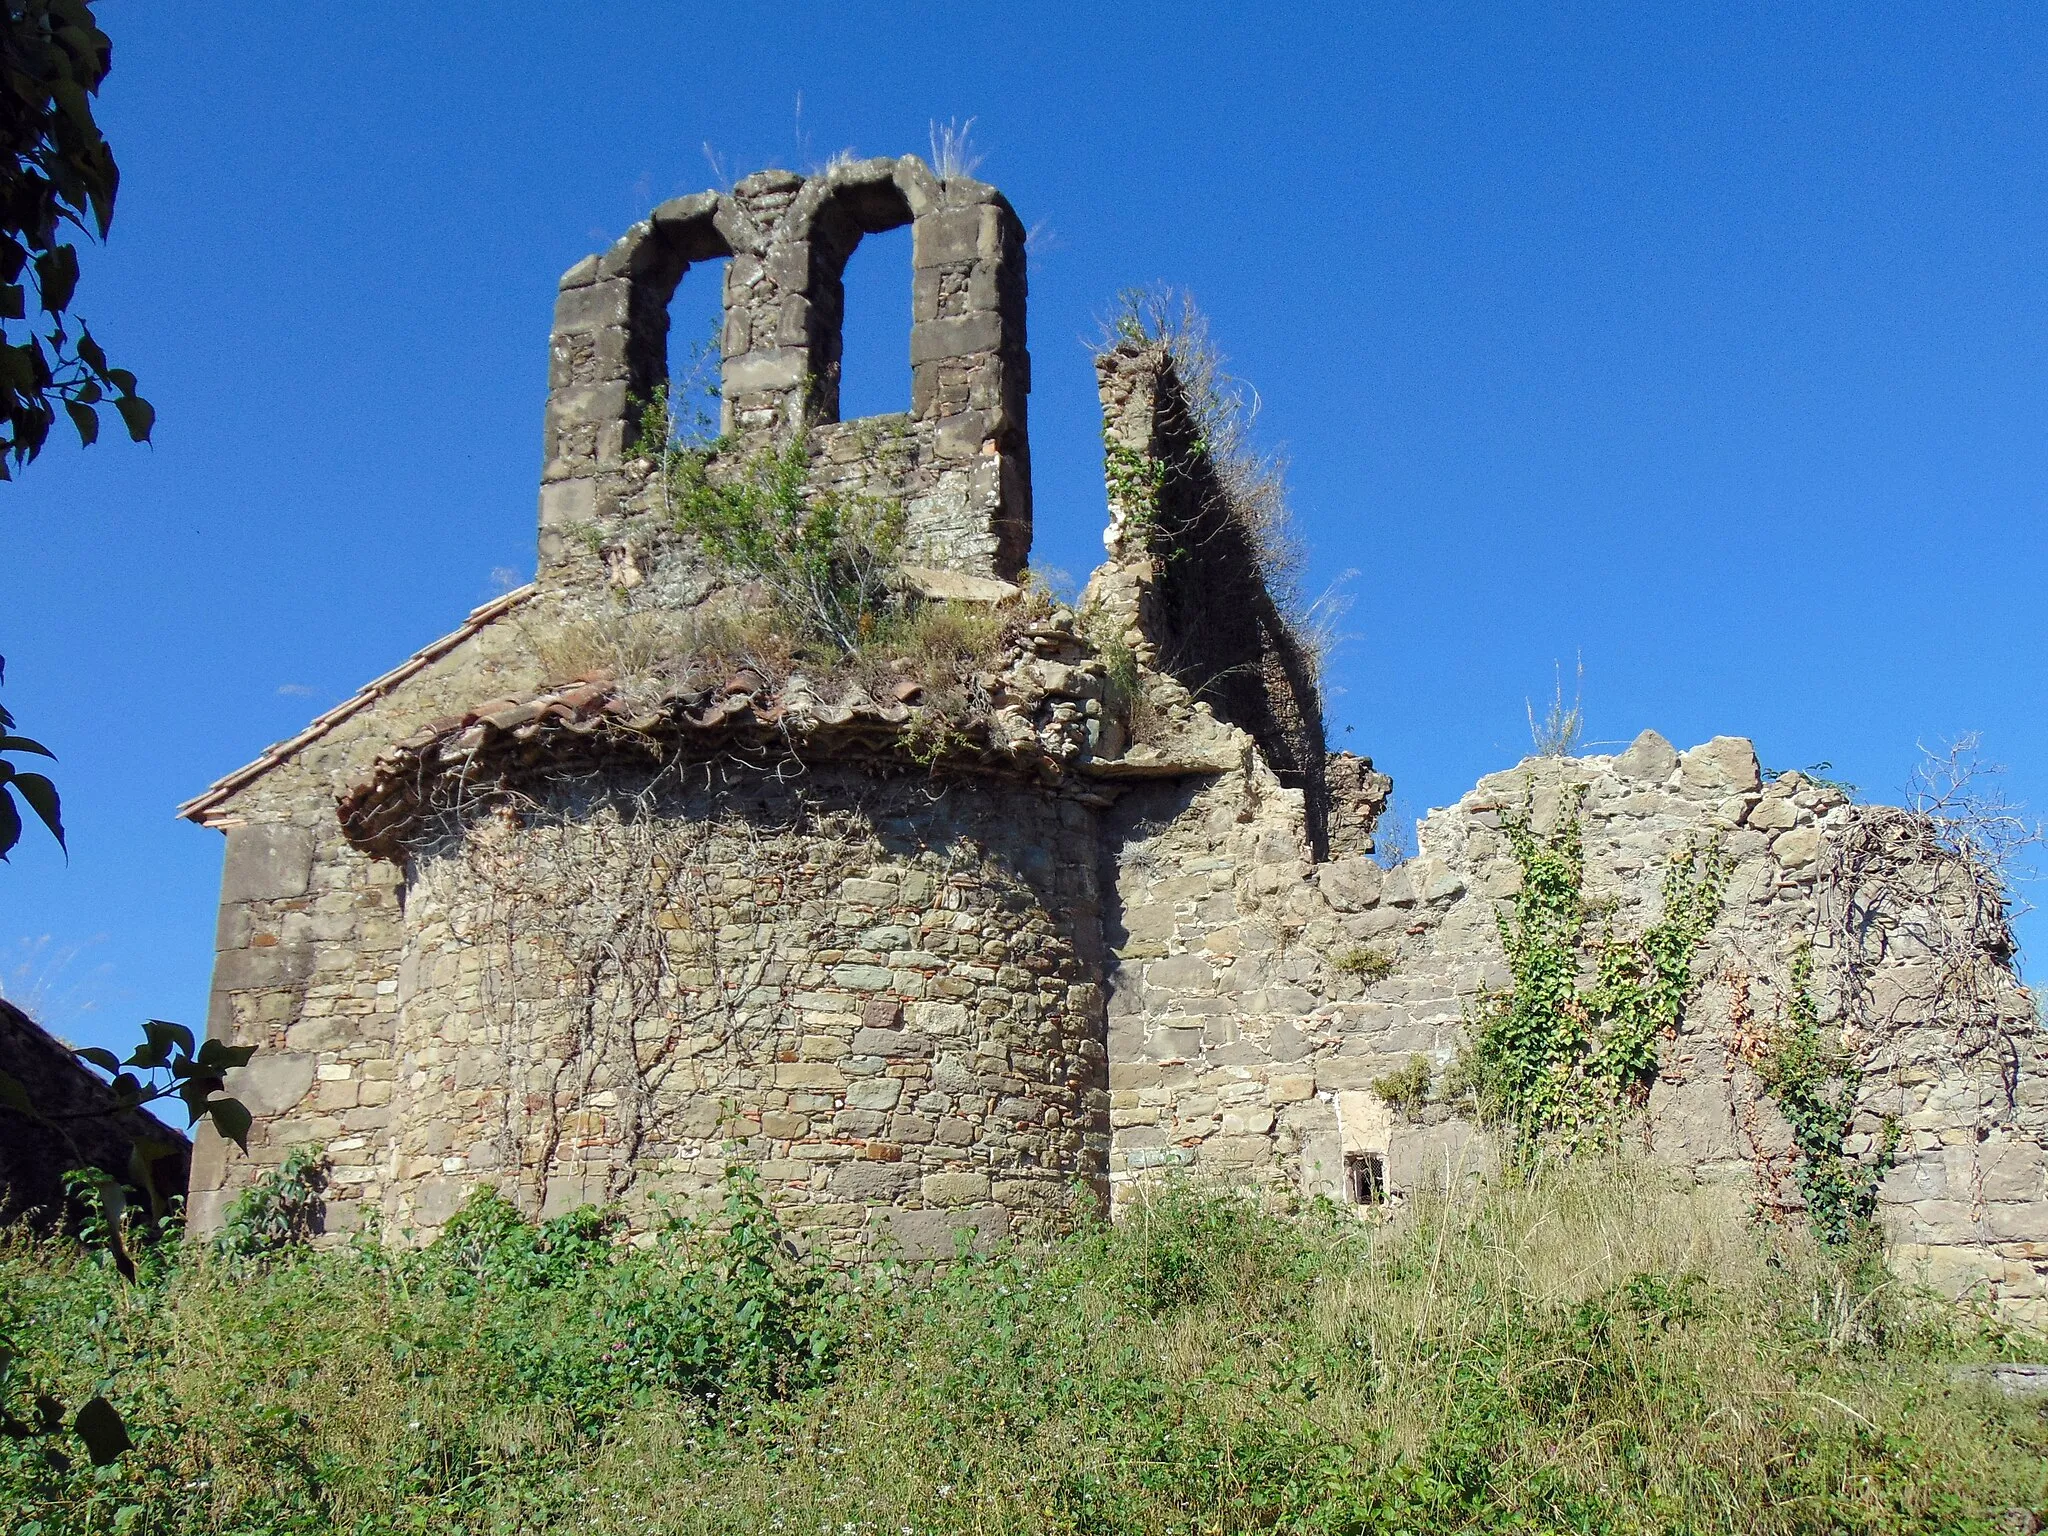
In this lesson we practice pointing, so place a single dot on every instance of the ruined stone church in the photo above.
(606, 889)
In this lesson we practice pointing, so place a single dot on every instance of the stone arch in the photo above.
(608, 351)
(831, 225)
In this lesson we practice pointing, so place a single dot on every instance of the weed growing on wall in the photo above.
(1134, 480)
(1367, 964)
(1815, 1081)
(1552, 1057)
(1406, 1090)
(826, 558)
(1249, 488)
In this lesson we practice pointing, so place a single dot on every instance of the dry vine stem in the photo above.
(623, 982)
(1914, 906)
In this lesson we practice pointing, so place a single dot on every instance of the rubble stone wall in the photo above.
(309, 935)
(1255, 998)
(883, 996)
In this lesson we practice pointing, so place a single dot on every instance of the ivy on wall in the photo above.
(1815, 1081)
(1555, 1057)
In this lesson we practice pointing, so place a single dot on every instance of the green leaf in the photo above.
(23, 744)
(99, 1425)
(100, 1057)
(10, 824)
(85, 420)
(138, 415)
(89, 351)
(57, 277)
(41, 795)
(219, 1056)
(169, 1036)
(232, 1119)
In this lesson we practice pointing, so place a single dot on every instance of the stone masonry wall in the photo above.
(881, 995)
(1185, 585)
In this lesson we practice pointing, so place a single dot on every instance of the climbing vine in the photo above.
(1135, 480)
(1815, 1082)
(1552, 1057)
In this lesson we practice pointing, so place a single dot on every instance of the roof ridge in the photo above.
(210, 798)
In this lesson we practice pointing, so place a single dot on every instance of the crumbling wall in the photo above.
(884, 996)
(1240, 1045)
(1256, 998)
(1185, 587)
(959, 462)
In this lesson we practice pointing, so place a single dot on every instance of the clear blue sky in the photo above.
(1707, 343)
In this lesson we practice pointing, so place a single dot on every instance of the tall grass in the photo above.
(1593, 1349)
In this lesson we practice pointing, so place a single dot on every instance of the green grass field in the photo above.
(1588, 1350)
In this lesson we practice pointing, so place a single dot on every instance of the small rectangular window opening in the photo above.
(1365, 1178)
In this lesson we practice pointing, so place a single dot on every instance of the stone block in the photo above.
(874, 1182)
(894, 1044)
(1364, 1123)
(328, 1033)
(1774, 813)
(567, 503)
(1290, 1087)
(1649, 757)
(861, 978)
(945, 237)
(1350, 885)
(954, 1188)
(961, 336)
(961, 435)
(874, 1093)
(1724, 766)
(808, 1074)
(766, 369)
(1798, 848)
(592, 306)
(923, 1235)
(273, 1081)
(1173, 1043)
(266, 862)
(1189, 973)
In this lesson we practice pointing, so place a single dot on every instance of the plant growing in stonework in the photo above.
(1552, 1057)
(825, 557)
(1247, 483)
(1815, 1082)
(1406, 1089)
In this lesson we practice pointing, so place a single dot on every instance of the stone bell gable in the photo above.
(960, 461)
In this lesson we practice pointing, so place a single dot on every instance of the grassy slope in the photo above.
(1593, 1351)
